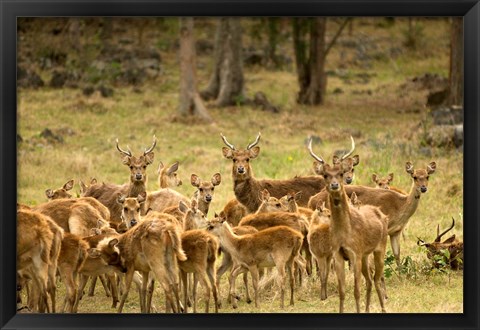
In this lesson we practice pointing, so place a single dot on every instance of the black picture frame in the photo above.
(10, 10)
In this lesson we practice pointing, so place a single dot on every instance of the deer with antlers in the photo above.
(108, 193)
(396, 206)
(246, 187)
(451, 244)
(356, 232)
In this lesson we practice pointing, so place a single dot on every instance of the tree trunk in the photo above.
(311, 71)
(226, 83)
(189, 101)
(273, 35)
(456, 62)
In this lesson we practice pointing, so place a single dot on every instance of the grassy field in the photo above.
(382, 114)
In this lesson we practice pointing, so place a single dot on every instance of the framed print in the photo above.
(161, 139)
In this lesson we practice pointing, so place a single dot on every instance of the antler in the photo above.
(351, 151)
(127, 153)
(147, 151)
(254, 143)
(309, 147)
(231, 146)
(439, 236)
(420, 242)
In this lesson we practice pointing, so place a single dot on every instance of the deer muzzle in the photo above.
(241, 170)
(208, 198)
(348, 180)
(133, 222)
(423, 189)
(138, 176)
(334, 186)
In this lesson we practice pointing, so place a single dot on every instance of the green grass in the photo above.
(386, 133)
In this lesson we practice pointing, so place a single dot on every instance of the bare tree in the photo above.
(226, 83)
(456, 62)
(311, 69)
(190, 103)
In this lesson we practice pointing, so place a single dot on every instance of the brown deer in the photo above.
(62, 192)
(320, 244)
(205, 190)
(355, 234)
(167, 176)
(153, 245)
(451, 244)
(131, 207)
(108, 193)
(273, 247)
(246, 187)
(396, 206)
(34, 244)
(164, 198)
(234, 211)
(384, 183)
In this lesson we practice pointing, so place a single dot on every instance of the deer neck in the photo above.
(228, 239)
(136, 187)
(412, 201)
(340, 213)
(247, 191)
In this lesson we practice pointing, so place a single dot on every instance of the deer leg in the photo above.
(128, 283)
(150, 290)
(356, 263)
(143, 292)
(93, 283)
(183, 276)
(81, 287)
(224, 266)
(378, 276)
(340, 271)
(232, 278)
(105, 285)
(368, 281)
(255, 276)
(395, 243)
(113, 283)
(213, 283)
(323, 274)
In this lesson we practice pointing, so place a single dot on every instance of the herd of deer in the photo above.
(124, 233)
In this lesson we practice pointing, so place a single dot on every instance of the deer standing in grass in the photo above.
(356, 232)
(246, 187)
(273, 247)
(320, 244)
(108, 193)
(396, 206)
(384, 183)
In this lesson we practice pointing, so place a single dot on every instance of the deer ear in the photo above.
(227, 153)
(149, 157)
(160, 167)
(374, 177)
(193, 204)
(298, 195)
(195, 180)
(431, 167)
(216, 179)
(449, 240)
(49, 193)
(83, 187)
(390, 177)
(254, 152)
(69, 184)
(126, 160)
(172, 169)
(94, 231)
(356, 160)
(113, 242)
(318, 167)
(121, 199)
(142, 197)
(94, 253)
(100, 223)
(409, 167)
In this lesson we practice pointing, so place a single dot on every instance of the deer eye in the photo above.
(248, 159)
(131, 167)
(415, 178)
(138, 210)
(125, 209)
(213, 188)
(325, 176)
(427, 178)
(234, 160)
(200, 189)
(144, 166)
(278, 205)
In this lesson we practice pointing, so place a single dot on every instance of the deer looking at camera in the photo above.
(356, 232)
(205, 190)
(451, 244)
(108, 193)
(384, 183)
(246, 187)
(396, 206)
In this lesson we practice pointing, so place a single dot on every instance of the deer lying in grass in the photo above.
(62, 192)
(167, 176)
(396, 206)
(278, 246)
(356, 232)
(320, 244)
(437, 248)
(384, 183)
(246, 187)
(34, 244)
(205, 190)
(152, 245)
(108, 193)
